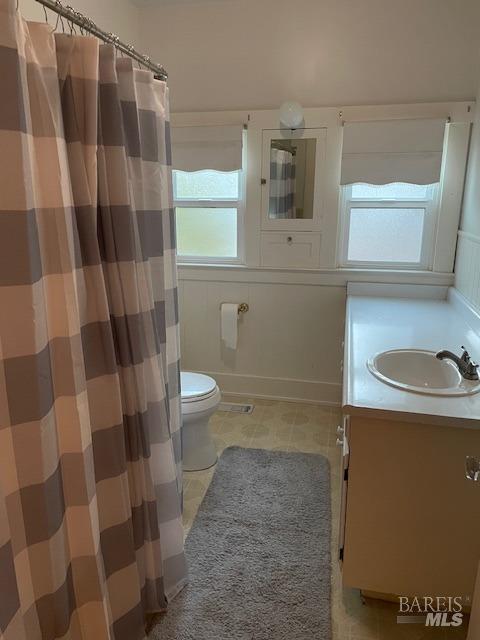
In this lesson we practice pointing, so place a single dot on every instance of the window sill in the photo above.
(329, 277)
(210, 265)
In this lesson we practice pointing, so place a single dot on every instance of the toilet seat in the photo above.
(197, 387)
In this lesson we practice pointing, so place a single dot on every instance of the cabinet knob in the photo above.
(289, 240)
(263, 181)
(339, 442)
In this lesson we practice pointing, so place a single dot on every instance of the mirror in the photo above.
(292, 178)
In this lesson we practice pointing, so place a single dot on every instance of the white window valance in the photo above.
(381, 152)
(209, 147)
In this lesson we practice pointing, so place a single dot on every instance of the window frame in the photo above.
(431, 207)
(214, 203)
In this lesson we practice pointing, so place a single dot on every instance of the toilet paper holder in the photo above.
(242, 307)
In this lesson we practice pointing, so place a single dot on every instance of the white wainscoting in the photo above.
(467, 268)
(290, 341)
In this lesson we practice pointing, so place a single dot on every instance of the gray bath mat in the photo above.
(258, 553)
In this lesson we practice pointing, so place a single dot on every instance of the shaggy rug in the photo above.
(258, 553)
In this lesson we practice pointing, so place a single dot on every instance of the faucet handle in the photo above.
(471, 366)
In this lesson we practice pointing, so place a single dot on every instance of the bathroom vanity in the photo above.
(410, 521)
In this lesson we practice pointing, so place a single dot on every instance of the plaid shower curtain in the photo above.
(282, 184)
(91, 539)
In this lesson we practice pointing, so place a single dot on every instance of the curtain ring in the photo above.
(81, 19)
(60, 21)
(71, 11)
(59, 5)
(85, 25)
(131, 50)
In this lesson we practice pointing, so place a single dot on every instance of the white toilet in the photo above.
(200, 399)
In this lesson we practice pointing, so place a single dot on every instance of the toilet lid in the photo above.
(196, 385)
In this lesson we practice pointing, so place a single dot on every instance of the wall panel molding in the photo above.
(286, 389)
(310, 277)
(289, 342)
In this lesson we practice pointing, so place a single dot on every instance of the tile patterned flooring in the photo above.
(308, 428)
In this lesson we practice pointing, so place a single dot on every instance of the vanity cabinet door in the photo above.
(413, 518)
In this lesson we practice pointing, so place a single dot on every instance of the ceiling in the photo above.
(256, 54)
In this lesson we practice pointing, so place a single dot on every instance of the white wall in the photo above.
(290, 341)
(467, 267)
(117, 16)
(255, 54)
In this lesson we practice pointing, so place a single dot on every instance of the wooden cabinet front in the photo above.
(412, 523)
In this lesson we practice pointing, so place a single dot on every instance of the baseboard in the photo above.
(286, 389)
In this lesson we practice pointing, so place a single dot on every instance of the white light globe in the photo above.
(291, 115)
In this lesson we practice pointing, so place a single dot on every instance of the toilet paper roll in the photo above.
(229, 322)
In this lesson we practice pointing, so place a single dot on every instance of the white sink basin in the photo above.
(420, 371)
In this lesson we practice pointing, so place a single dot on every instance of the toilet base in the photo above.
(199, 451)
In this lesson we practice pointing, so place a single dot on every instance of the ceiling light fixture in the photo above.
(291, 115)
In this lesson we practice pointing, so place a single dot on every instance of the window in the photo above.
(209, 213)
(388, 226)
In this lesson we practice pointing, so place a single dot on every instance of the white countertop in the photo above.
(375, 324)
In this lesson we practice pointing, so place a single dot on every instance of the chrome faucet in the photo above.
(464, 363)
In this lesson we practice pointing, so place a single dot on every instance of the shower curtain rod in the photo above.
(77, 18)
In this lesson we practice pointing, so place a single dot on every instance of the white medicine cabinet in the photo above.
(293, 177)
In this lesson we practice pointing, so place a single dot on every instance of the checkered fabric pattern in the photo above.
(282, 184)
(91, 538)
